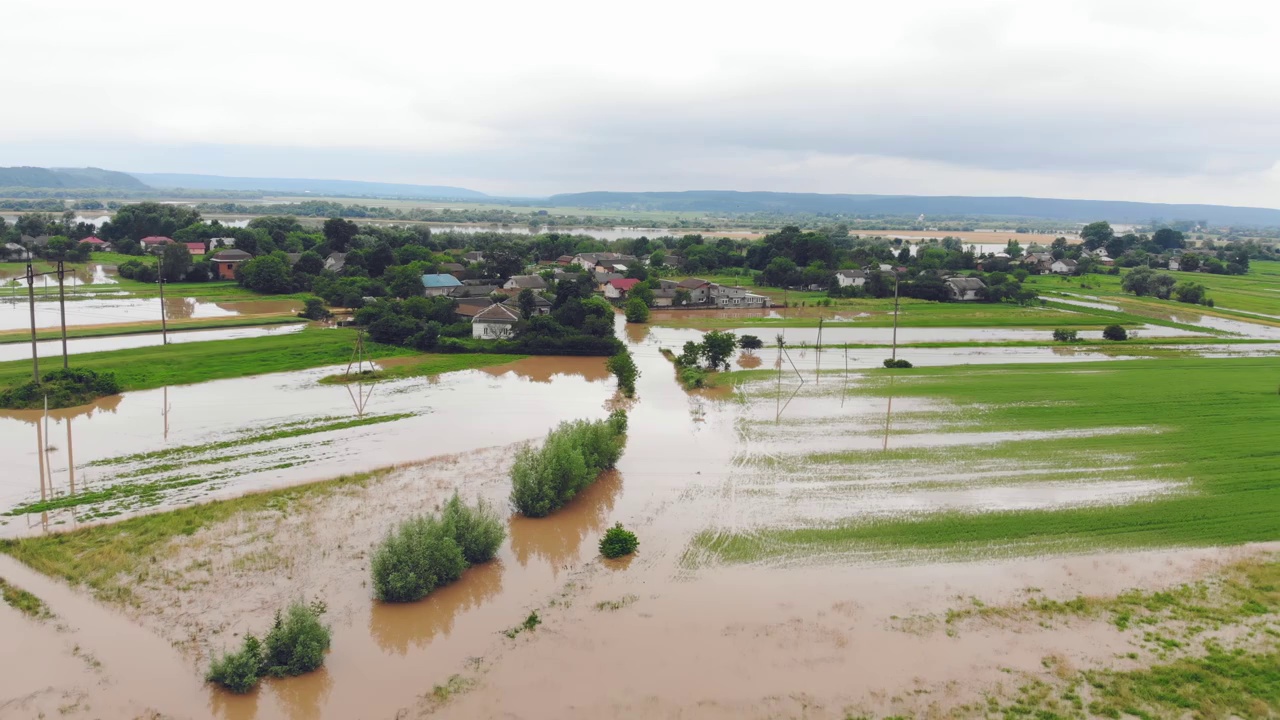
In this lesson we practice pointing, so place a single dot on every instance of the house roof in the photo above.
(452, 267)
(440, 281)
(690, 283)
(538, 300)
(335, 262)
(534, 282)
(602, 276)
(231, 255)
(624, 284)
(851, 273)
(497, 313)
(1066, 261)
(473, 291)
(193, 247)
(94, 240)
(156, 240)
(966, 283)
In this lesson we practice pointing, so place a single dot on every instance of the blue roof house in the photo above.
(439, 284)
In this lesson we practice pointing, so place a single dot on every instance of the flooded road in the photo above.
(15, 313)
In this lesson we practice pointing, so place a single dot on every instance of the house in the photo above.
(664, 297)
(438, 284)
(466, 290)
(474, 256)
(963, 288)
(1040, 261)
(222, 242)
(1175, 264)
(602, 278)
(618, 288)
(1065, 266)
(736, 297)
(541, 305)
(14, 251)
(96, 242)
(153, 243)
(854, 278)
(335, 262)
(564, 260)
(292, 258)
(38, 241)
(521, 282)
(670, 260)
(452, 268)
(590, 261)
(699, 289)
(225, 263)
(195, 248)
(467, 307)
(494, 322)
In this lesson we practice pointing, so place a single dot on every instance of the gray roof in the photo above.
(497, 313)
(231, 255)
(965, 283)
(534, 282)
(851, 273)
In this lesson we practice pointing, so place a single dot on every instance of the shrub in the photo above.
(1115, 332)
(750, 342)
(899, 363)
(478, 530)
(1061, 335)
(637, 311)
(618, 541)
(314, 309)
(64, 388)
(624, 367)
(297, 641)
(238, 671)
(543, 480)
(416, 558)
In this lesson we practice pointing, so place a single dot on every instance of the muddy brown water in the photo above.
(712, 642)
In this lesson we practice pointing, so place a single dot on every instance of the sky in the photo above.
(1164, 101)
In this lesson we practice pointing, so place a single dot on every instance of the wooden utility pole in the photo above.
(31, 301)
(62, 311)
(164, 326)
(895, 316)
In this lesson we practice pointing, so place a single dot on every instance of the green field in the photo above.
(1256, 292)
(153, 367)
(1208, 424)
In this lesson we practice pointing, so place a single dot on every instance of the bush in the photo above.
(63, 387)
(297, 641)
(314, 309)
(624, 367)
(416, 558)
(750, 342)
(1069, 336)
(637, 311)
(899, 363)
(238, 671)
(1115, 332)
(618, 541)
(478, 530)
(573, 456)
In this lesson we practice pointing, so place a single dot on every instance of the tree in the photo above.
(1115, 333)
(681, 298)
(750, 342)
(309, 263)
(528, 303)
(1168, 239)
(1097, 234)
(1189, 263)
(339, 233)
(717, 347)
(636, 311)
(175, 262)
(1189, 292)
(146, 219)
(266, 274)
(657, 258)
(403, 281)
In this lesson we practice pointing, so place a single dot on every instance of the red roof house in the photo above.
(195, 248)
(94, 241)
(619, 287)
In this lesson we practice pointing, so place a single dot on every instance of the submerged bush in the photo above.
(238, 671)
(1063, 335)
(618, 541)
(415, 559)
(297, 641)
(1115, 332)
(63, 388)
(623, 366)
(543, 480)
(899, 363)
(477, 530)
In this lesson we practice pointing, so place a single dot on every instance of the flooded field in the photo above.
(15, 313)
(75, 346)
(662, 634)
(13, 283)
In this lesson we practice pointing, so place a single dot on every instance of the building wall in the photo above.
(226, 270)
(491, 331)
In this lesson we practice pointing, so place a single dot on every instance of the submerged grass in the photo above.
(143, 328)
(1206, 423)
(111, 558)
(23, 601)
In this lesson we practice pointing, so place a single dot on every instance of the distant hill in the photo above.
(725, 201)
(37, 177)
(305, 186)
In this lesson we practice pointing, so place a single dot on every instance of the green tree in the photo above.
(717, 347)
(528, 303)
(309, 263)
(1168, 238)
(175, 262)
(636, 311)
(1115, 333)
(145, 219)
(1097, 234)
(339, 233)
(266, 274)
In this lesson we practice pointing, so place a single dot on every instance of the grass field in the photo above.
(213, 291)
(1256, 292)
(1208, 424)
(152, 367)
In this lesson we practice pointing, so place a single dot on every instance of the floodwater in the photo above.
(76, 346)
(15, 312)
(727, 638)
(13, 283)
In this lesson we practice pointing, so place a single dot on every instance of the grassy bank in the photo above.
(420, 365)
(1206, 425)
(152, 367)
(142, 328)
(109, 558)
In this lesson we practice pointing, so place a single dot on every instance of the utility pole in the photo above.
(62, 310)
(31, 301)
(164, 326)
(895, 316)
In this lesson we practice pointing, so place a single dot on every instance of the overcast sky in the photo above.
(1161, 101)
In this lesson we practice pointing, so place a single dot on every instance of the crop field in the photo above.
(1187, 445)
(1256, 292)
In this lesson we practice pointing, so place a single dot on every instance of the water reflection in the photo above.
(303, 696)
(397, 626)
(230, 706)
(637, 332)
(543, 369)
(558, 539)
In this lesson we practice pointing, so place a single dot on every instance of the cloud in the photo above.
(1167, 101)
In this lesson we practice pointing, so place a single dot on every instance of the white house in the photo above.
(699, 289)
(963, 288)
(1175, 264)
(14, 251)
(439, 284)
(494, 322)
(520, 282)
(854, 278)
(735, 297)
(1065, 266)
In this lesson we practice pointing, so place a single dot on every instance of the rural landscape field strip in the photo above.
(1213, 420)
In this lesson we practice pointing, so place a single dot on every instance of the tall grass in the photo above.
(427, 552)
(543, 480)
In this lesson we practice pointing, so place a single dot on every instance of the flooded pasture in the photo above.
(15, 314)
(76, 346)
(680, 638)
